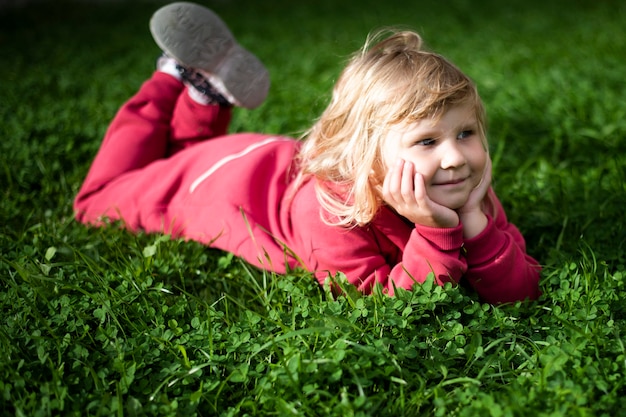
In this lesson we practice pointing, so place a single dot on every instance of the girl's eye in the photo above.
(465, 134)
(426, 142)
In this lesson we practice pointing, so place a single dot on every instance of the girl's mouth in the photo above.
(452, 182)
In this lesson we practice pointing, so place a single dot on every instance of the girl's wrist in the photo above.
(473, 222)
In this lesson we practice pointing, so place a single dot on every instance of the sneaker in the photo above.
(209, 56)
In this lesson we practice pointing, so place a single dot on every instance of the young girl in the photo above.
(392, 183)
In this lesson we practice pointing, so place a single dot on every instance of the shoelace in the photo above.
(197, 80)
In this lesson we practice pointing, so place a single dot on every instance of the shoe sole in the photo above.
(197, 38)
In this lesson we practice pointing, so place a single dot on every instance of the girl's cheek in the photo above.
(422, 169)
(481, 155)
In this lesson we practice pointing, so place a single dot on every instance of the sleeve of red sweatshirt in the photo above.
(374, 253)
(358, 254)
(494, 263)
(499, 269)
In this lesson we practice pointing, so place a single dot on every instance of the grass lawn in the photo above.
(100, 322)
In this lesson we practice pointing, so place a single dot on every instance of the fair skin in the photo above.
(438, 171)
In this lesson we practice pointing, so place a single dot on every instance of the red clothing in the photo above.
(157, 172)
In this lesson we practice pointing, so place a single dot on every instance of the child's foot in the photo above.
(209, 57)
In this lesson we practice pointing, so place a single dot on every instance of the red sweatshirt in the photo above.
(167, 165)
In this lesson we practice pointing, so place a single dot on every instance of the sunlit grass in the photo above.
(102, 322)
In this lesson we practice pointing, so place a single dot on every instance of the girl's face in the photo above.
(449, 153)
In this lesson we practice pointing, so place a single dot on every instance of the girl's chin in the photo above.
(451, 203)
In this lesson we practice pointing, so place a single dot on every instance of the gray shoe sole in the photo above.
(197, 38)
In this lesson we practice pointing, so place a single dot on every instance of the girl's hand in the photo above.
(471, 214)
(405, 191)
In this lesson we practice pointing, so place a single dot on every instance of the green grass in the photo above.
(102, 322)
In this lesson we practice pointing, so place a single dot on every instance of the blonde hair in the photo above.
(391, 80)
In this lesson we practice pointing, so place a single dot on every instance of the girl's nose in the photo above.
(452, 156)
